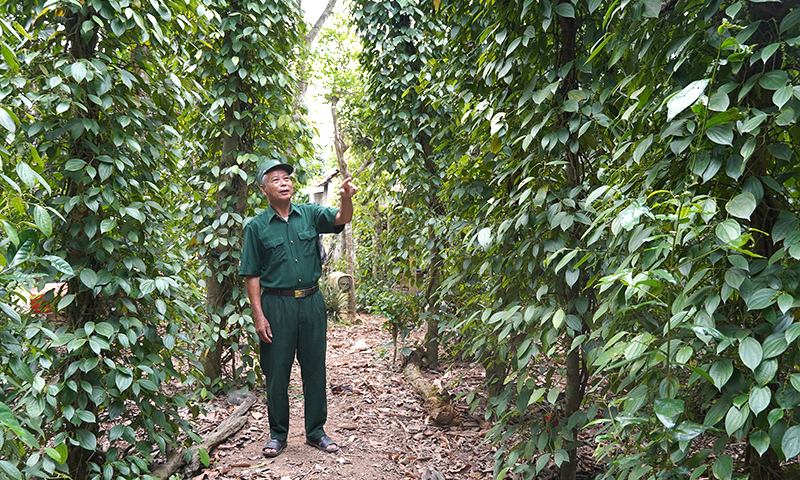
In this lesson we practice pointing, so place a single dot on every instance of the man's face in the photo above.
(277, 186)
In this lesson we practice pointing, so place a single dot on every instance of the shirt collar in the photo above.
(272, 215)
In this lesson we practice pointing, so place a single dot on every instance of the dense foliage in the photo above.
(245, 116)
(600, 197)
(111, 114)
(618, 219)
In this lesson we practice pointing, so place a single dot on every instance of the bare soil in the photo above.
(379, 423)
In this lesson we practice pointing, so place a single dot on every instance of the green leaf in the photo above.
(782, 95)
(123, 381)
(728, 231)
(790, 20)
(74, 165)
(726, 118)
(719, 102)
(65, 301)
(792, 332)
(766, 371)
(59, 453)
(686, 97)
(721, 372)
(721, 134)
(565, 10)
(794, 379)
(135, 213)
(542, 461)
(717, 411)
(21, 370)
(43, 221)
(565, 260)
(748, 148)
(558, 318)
(750, 352)
(86, 439)
(204, 458)
(485, 237)
(59, 264)
(688, 430)
(637, 346)
(9, 420)
(78, 71)
(560, 456)
(774, 345)
(10, 58)
(774, 79)
(85, 416)
(7, 121)
(742, 205)
(667, 410)
(723, 467)
(26, 174)
(759, 439)
(651, 8)
(105, 329)
(752, 123)
(11, 232)
(10, 469)
(790, 444)
(30, 177)
(735, 419)
(88, 277)
(107, 225)
(641, 149)
(761, 299)
(63, 106)
(759, 399)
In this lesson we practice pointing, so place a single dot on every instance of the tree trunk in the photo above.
(574, 177)
(377, 247)
(432, 306)
(87, 307)
(212, 360)
(232, 198)
(340, 147)
(302, 67)
(571, 405)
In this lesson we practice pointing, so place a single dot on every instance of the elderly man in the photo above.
(281, 265)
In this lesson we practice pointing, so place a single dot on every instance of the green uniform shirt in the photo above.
(285, 253)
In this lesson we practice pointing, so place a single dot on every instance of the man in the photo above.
(281, 265)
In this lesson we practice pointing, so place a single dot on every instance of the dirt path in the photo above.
(380, 424)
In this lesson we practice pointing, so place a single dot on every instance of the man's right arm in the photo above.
(253, 287)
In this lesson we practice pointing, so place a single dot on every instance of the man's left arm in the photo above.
(345, 213)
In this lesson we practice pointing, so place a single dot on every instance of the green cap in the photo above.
(271, 165)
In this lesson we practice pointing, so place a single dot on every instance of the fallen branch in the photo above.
(438, 405)
(230, 426)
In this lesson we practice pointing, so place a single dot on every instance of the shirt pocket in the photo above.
(276, 251)
(308, 243)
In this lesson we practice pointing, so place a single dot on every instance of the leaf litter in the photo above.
(374, 415)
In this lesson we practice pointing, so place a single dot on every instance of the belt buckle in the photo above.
(298, 294)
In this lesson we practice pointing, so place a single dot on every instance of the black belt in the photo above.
(292, 293)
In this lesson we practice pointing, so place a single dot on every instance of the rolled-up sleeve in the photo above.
(324, 217)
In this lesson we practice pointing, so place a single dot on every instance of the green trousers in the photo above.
(298, 326)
